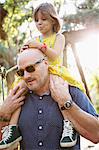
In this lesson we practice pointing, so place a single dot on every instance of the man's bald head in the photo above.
(31, 54)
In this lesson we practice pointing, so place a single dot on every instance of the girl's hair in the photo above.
(48, 11)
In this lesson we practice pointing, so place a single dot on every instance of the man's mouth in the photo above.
(30, 81)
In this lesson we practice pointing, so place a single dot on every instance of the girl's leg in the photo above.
(69, 134)
(15, 117)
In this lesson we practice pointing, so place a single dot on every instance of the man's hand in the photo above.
(59, 90)
(13, 101)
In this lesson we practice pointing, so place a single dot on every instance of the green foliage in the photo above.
(14, 13)
(17, 14)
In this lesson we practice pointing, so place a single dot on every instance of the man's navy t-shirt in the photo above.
(41, 121)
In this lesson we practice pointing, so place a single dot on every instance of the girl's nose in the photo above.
(40, 22)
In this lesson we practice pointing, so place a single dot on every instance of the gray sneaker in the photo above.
(10, 135)
(69, 135)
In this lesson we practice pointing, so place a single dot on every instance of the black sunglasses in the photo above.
(30, 68)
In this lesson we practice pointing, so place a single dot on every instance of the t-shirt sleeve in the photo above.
(82, 101)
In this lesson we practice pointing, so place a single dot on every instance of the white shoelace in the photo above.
(6, 133)
(68, 129)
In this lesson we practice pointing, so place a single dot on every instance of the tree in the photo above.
(12, 14)
(3, 14)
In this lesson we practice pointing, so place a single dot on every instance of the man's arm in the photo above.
(83, 120)
(13, 101)
(86, 124)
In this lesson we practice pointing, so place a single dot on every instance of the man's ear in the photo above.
(46, 62)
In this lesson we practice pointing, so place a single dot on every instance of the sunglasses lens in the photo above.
(30, 69)
(20, 73)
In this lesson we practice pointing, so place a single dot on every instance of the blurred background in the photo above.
(80, 26)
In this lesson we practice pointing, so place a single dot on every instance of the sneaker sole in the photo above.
(70, 144)
(8, 145)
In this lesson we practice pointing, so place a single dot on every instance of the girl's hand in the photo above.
(59, 90)
(35, 44)
(31, 44)
(41, 46)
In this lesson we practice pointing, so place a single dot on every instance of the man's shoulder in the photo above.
(75, 90)
(82, 100)
(77, 94)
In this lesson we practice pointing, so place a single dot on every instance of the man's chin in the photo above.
(33, 88)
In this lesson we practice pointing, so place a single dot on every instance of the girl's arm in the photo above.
(51, 53)
(59, 46)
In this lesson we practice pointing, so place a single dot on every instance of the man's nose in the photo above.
(26, 74)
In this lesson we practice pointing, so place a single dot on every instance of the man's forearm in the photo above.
(86, 124)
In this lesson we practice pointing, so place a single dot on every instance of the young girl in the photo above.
(52, 44)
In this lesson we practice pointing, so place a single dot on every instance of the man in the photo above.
(41, 117)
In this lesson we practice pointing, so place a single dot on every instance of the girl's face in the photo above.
(44, 24)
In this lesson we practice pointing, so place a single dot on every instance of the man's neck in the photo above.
(44, 89)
